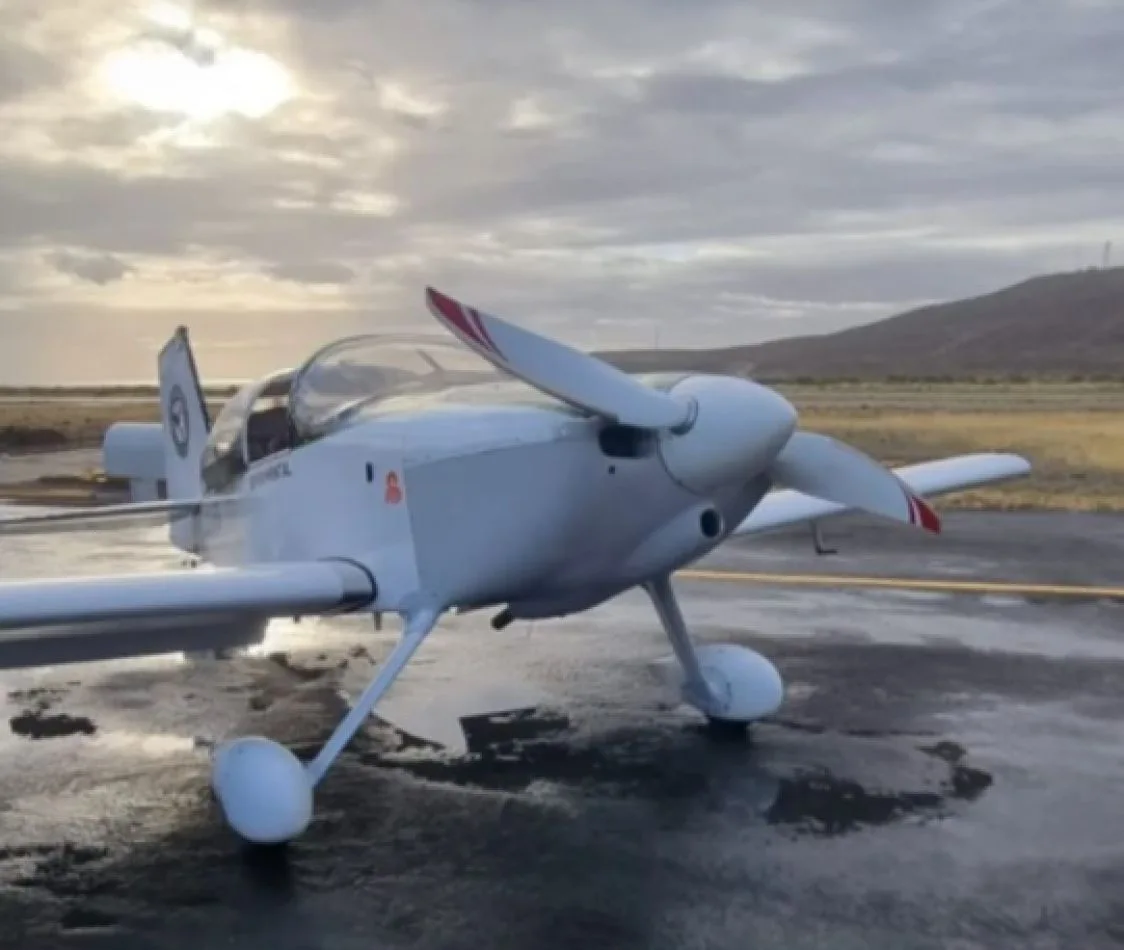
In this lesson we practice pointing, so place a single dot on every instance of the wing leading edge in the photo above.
(780, 509)
(272, 590)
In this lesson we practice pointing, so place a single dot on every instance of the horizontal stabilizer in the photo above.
(141, 514)
(781, 509)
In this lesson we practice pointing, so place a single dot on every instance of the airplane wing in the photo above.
(78, 619)
(780, 509)
(268, 590)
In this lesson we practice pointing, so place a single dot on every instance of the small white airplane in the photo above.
(508, 472)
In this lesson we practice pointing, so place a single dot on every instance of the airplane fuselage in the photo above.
(534, 507)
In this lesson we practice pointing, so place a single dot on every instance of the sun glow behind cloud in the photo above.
(176, 68)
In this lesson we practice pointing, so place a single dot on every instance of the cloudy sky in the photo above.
(274, 172)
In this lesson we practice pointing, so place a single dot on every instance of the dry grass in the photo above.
(923, 397)
(56, 423)
(1077, 457)
(1072, 433)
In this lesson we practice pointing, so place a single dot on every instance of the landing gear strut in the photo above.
(265, 791)
(696, 690)
(730, 684)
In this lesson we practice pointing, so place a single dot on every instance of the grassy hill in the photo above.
(1068, 325)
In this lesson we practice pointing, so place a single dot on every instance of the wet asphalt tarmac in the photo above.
(946, 771)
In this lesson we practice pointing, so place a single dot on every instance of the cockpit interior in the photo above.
(253, 425)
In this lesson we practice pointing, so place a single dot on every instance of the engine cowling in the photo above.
(684, 538)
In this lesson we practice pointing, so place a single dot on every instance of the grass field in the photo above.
(58, 423)
(1073, 433)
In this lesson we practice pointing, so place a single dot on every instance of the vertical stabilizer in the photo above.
(186, 426)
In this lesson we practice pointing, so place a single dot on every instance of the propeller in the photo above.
(823, 467)
(714, 431)
(576, 378)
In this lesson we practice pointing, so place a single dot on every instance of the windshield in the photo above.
(360, 372)
(252, 425)
(225, 432)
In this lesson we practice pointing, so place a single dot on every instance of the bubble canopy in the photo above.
(345, 377)
(354, 378)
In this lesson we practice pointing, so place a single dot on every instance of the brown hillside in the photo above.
(1069, 324)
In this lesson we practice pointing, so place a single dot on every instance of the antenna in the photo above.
(1107, 255)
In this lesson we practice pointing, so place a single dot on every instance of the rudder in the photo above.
(186, 424)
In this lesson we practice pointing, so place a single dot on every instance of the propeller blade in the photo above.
(576, 378)
(820, 466)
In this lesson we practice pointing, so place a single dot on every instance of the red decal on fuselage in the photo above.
(393, 493)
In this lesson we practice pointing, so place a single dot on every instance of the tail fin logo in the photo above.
(178, 423)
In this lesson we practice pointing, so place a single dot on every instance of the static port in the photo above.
(710, 523)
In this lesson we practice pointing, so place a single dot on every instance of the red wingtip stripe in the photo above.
(456, 315)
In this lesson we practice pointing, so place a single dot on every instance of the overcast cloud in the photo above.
(711, 170)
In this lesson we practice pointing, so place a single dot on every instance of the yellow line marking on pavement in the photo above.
(905, 583)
